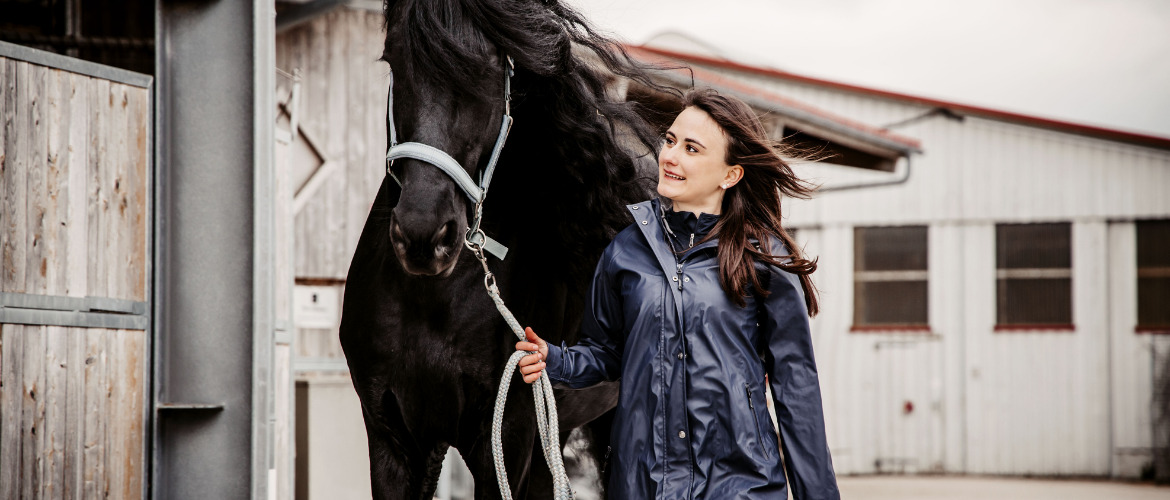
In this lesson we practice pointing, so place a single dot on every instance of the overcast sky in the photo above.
(1096, 62)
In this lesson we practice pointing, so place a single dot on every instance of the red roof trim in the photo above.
(1062, 126)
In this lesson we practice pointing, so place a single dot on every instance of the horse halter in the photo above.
(475, 237)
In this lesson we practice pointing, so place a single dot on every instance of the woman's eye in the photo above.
(667, 141)
(692, 149)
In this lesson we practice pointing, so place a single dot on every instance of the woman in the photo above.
(690, 307)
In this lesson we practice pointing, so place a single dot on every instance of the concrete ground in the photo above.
(993, 488)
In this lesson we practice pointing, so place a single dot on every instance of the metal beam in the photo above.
(84, 312)
(213, 293)
(73, 65)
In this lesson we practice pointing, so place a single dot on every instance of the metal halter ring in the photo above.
(474, 239)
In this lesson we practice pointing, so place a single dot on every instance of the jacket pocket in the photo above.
(756, 418)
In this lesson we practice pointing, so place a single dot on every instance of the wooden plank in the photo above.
(56, 423)
(16, 169)
(32, 412)
(57, 182)
(312, 222)
(6, 94)
(115, 435)
(93, 466)
(282, 393)
(76, 218)
(34, 150)
(75, 414)
(130, 203)
(99, 196)
(113, 252)
(138, 191)
(333, 242)
(136, 374)
(11, 405)
(124, 429)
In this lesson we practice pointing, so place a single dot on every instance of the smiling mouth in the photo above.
(672, 176)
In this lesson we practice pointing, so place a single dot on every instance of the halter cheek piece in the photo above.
(439, 158)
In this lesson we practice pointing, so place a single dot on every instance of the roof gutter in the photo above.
(905, 177)
(804, 116)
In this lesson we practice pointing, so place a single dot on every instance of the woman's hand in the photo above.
(532, 364)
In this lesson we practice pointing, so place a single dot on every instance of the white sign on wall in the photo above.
(316, 307)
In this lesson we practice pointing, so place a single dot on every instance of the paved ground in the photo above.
(992, 488)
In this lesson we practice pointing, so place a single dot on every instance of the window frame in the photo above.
(1148, 271)
(1034, 273)
(862, 276)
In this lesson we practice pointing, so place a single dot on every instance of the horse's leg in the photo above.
(396, 475)
(401, 466)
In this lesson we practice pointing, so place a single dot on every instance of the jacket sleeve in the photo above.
(792, 375)
(598, 356)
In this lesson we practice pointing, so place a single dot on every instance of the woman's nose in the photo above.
(667, 155)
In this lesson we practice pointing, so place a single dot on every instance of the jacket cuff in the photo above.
(555, 362)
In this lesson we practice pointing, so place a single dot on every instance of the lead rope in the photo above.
(546, 406)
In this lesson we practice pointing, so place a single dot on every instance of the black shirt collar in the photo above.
(685, 224)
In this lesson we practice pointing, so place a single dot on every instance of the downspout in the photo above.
(905, 177)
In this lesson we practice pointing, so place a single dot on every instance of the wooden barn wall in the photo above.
(335, 164)
(342, 107)
(1022, 402)
(74, 157)
(338, 159)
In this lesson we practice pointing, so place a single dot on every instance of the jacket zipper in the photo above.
(759, 434)
(692, 240)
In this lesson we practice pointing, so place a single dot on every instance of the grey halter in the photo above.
(439, 158)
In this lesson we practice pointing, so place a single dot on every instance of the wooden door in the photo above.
(74, 295)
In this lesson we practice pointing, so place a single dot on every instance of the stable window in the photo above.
(1153, 275)
(889, 278)
(1033, 276)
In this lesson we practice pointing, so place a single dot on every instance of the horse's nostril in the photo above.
(396, 231)
(448, 234)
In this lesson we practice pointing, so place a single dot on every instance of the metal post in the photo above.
(213, 242)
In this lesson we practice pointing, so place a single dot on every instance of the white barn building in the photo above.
(995, 295)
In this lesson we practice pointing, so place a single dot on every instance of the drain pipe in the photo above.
(905, 177)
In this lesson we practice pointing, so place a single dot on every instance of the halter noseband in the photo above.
(448, 165)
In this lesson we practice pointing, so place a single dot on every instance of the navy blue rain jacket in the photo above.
(692, 421)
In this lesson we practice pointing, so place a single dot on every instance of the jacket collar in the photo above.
(648, 218)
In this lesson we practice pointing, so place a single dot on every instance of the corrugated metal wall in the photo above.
(1069, 402)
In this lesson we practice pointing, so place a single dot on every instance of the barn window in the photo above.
(1033, 275)
(1153, 275)
(889, 278)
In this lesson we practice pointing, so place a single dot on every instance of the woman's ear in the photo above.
(733, 176)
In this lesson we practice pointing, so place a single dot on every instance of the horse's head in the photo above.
(428, 226)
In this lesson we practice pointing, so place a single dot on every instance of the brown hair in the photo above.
(751, 208)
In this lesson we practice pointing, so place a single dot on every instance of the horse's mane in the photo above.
(568, 133)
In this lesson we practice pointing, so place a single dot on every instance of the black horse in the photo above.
(424, 343)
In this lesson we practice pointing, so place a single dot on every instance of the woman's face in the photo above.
(692, 167)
